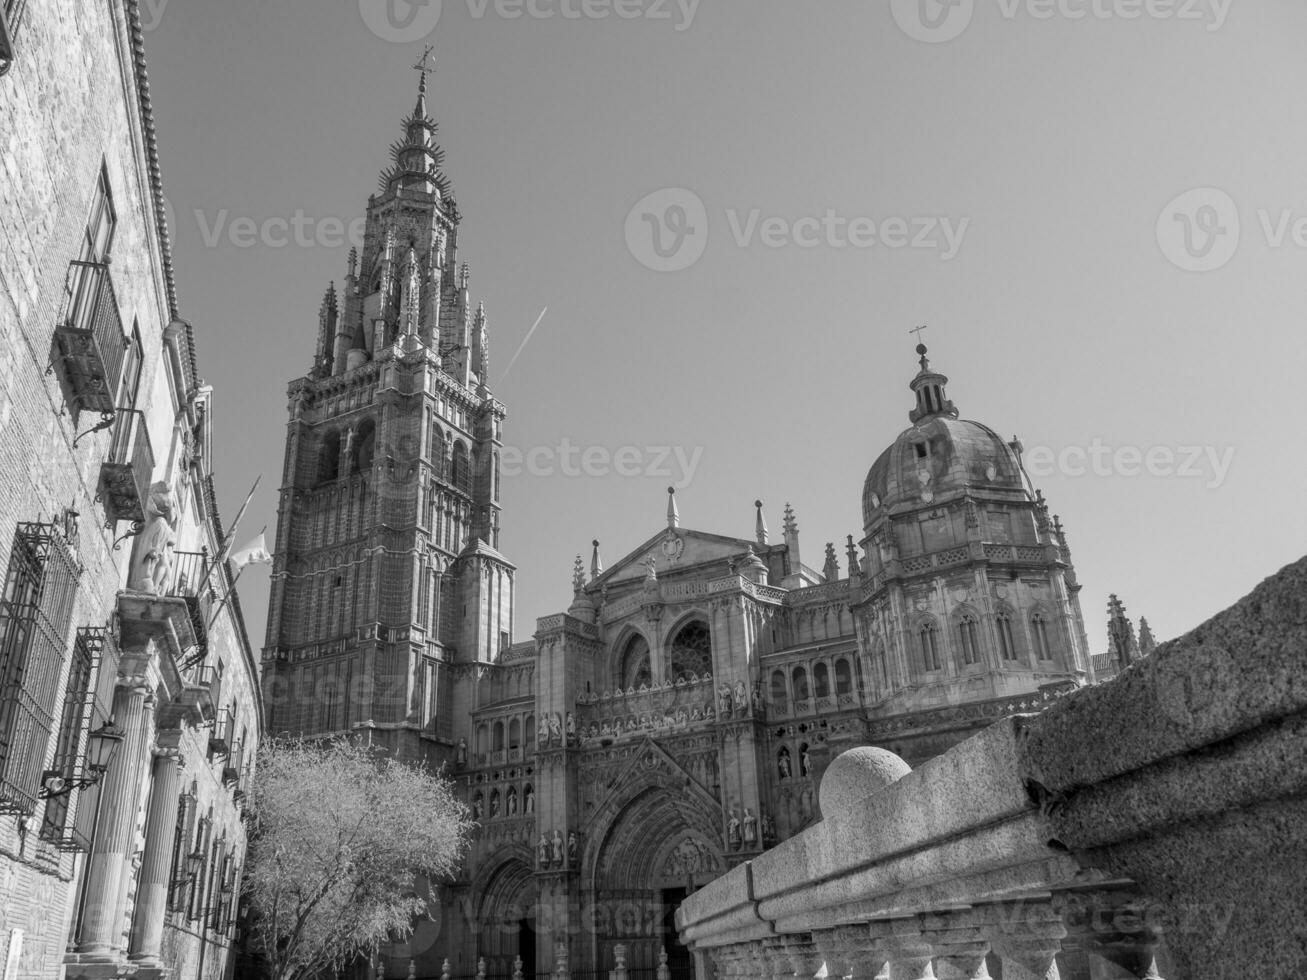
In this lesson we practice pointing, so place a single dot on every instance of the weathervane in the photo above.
(424, 66)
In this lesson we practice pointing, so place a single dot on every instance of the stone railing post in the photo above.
(481, 969)
(664, 971)
(906, 952)
(561, 969)
(1116, 926)
(1027, 936)
(619, 963)
(445, 967)
(959, 942)
(517, 969)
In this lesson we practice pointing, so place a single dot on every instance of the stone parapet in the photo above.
(1157, 820)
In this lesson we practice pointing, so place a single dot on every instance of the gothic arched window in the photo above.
(821, 680)
(929, 644)
(691, 653)
(635, 664)
(1039, 630)
(1007, 646)
(329, 458)
(365, 444)
(800, 679)
(778, 688)
(461, 469)
(970, 637)
(843, 678)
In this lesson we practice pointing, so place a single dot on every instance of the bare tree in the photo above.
(340, 836)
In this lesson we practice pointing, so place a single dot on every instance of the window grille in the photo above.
(35, 614)
(72, 745)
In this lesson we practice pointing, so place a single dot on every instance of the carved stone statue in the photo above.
(512, 802)
(571, 726)
(750, 827)
(462, 752)
(783, 763)
(476, 807)
(542, 850)
(805, 762)
(573, 849)
(542, 731)
(494, 805)
(733, 829)
(152, 562)
(768, 828)
(724, 700)
(757, 699)
(557, 848)
(529, 801)
(556, 728)
(741, 698)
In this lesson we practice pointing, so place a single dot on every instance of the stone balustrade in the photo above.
(1154, 826)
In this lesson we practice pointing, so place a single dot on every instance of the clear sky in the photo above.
(1014, 173)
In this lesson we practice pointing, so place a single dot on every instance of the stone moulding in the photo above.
(1181, 784)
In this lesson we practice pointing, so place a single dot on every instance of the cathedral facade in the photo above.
(675, 720)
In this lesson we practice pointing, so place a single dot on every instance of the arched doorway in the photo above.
(505, 918)
(658, 847)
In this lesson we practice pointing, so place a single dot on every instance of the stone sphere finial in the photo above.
(857, 775)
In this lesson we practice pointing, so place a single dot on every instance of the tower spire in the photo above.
(673, 515)
(760, 524)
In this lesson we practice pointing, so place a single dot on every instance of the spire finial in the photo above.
(596, 563)
(673, 515)
(578, 575)
(760, 524)
(423, 66)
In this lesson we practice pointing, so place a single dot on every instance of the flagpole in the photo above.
(234, 579)
(231, 532)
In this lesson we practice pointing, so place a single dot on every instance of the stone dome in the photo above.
(935, 456)
(856, 775)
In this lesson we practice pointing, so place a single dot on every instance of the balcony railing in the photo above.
(231, 766)
(125, 475)
(192, 574)
(89, 343)
(220, 740)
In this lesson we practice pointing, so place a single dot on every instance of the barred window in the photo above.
(35, 614)
(180, 879)
(74, 733)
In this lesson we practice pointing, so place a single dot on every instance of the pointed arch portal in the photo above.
(506, 918)
(650, 852)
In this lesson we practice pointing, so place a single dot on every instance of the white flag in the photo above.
(254, 553)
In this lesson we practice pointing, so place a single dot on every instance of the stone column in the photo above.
(160, 829)
(103, 915)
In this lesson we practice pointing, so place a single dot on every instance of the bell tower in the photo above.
(388, 574)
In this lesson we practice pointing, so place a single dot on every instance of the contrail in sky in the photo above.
(521, 346)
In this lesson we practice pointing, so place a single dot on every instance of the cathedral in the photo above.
(676, 718)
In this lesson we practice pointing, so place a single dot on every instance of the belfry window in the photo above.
(1006, 645)
(929, 643)
(1039, 630)
(967, 633)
